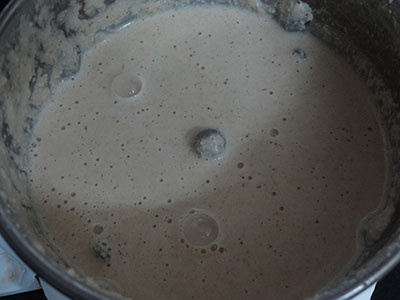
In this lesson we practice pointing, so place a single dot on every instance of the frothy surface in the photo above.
(115, 178)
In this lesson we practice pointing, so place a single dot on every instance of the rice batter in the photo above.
(124, 194)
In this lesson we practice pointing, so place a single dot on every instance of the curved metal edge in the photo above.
(376, 273)
(6, 12)
(62, 281)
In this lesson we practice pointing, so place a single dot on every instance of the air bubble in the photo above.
(200, 229)
(98, 229)
(126, 85)
(274, 132)
(209, 144)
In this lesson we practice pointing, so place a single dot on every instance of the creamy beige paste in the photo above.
(116, 180)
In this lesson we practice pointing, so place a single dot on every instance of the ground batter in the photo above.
(124, 192)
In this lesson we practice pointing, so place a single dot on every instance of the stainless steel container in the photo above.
(366, 32)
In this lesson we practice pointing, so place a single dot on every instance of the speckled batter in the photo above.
(115, 177)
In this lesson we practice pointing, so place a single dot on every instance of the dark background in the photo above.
(387, 289)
